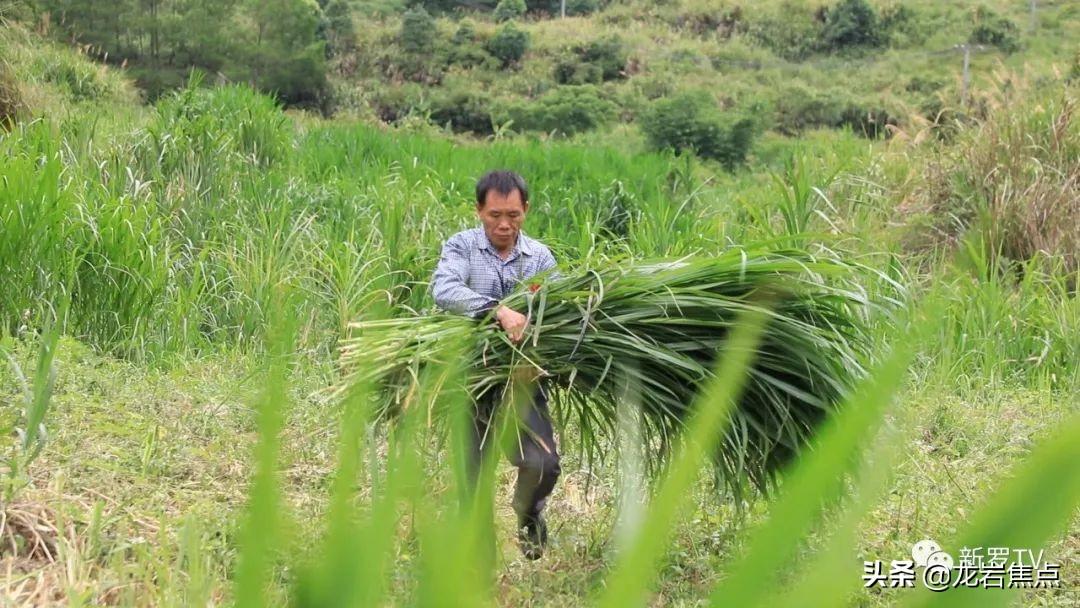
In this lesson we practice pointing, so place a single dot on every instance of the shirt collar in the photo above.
(522, 244)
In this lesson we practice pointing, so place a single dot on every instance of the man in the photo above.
(478, 268)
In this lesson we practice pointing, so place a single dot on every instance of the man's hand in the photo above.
(511, 321)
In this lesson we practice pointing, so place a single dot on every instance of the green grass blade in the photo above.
(259, 535)
(826, 579)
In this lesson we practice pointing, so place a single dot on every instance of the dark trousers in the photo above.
(529, 446)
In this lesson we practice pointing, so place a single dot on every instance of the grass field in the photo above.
(177, 242)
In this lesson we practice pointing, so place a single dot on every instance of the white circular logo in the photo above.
(922, 551)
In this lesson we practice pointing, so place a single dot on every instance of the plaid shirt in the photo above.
(471, 278)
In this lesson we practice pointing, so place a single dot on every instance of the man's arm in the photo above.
(449, 285)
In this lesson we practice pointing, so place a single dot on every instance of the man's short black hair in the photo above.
(503, 182)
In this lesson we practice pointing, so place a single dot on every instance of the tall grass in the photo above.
(172, 238)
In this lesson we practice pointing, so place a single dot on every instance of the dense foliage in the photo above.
(278, 45)
(508, 44)
(870, 66)
(566, 111)
(995, 30)
(689, 122)
(508, 10)
(595, 62)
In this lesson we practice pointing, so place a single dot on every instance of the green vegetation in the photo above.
(565, 110)
(11, 104)
(175, 280)
(995, 30)
(508, 45)
(276, 44)
(688, 122)
(596, 62)
(417, 31)
(865, 65)
(507, 10)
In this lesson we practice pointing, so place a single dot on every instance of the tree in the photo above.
(508, 10)
(285, 55)
(464, 48)
(509, 44)
(851, 23)
(565, 110)
(608, 54)
(994, 30)
(417, 31)
(338, 29)
(596, 62)
(201, 33)
(690, 122)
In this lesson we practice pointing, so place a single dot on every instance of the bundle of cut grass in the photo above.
(658, 327)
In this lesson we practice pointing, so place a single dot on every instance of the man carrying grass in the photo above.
(478, 268)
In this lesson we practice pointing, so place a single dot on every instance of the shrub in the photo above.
(464, 48)
(550, 7)
(445, 6)
(571, 71)
(852, 23)
(691, 122)
(391, 104)
(581, 7)
(790, 31)
(565, 110)
(900, 24)
(509, 44)
(465, 34)
(83, 80)
(797, 108)
(924, 84)
(994, 30)
(706, 20)
(417, 31)
(463, 110)
(867, 120)
(608, 54)
(508, 10)
(595, 62)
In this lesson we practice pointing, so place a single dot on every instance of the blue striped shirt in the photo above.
(471, 278)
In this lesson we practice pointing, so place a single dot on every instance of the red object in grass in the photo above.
(534, 287)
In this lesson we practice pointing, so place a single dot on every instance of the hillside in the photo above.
(791, 65)
(614, 71)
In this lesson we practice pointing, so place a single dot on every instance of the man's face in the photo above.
(502, 216)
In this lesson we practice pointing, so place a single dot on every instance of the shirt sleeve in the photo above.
(547, 262)
(449, 285)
